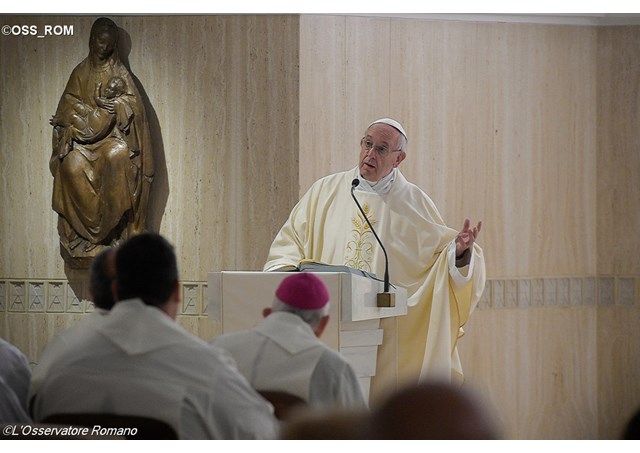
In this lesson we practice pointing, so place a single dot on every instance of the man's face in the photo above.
(383, 155)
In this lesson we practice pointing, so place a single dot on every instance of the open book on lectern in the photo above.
(315, 266)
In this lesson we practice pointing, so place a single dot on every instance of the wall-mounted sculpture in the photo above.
(102, 162)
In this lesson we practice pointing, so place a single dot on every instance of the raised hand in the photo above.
(466, 237)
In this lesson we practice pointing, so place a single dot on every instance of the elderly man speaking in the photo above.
(442, 269)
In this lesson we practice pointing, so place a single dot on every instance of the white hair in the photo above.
(311, 317)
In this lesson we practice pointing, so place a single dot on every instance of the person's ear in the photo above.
(172, 306)
(266, 312)
(399, 158)
(321, 326)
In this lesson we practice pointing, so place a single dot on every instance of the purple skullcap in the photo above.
(303, 290)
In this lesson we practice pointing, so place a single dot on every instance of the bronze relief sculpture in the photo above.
(102, 161)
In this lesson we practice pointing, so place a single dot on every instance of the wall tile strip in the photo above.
(57, 296)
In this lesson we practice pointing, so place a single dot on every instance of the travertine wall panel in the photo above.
(501, 123)
(223, 105)
(618, 219)
(619, 366)
(618, 144)
(504, 123)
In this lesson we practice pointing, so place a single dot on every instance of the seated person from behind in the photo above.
(101, 275)
(15, 374)
(284, 352)
(139, 362)
(432, 410)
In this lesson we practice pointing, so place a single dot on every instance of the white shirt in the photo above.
(138, 361)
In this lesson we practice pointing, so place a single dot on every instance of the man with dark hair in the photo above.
(101, 275)
(140, 362)
(146, 268)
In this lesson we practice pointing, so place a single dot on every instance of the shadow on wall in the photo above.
(160, 187)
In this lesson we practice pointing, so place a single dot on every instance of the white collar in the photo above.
(381, 187)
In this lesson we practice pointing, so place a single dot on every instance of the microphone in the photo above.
(385, 299)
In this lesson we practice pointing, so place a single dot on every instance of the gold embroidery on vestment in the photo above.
(360, 248)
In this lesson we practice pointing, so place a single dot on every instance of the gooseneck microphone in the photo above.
(385, 299)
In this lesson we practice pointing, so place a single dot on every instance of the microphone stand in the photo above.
(386, 298)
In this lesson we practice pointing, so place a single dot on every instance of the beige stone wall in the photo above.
(223, 106)
(223, 92)
(505, 124)
(222, 98)
(618, 219)
(531, 128)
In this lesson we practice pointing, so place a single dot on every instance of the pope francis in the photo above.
(442, 269)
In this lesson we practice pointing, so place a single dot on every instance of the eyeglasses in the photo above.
(381, 150)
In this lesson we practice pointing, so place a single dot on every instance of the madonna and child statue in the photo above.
(102, 161)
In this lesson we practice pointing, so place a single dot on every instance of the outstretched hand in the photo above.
(466, 237)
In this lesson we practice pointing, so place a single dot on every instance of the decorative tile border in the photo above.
(524, 293)
(191, 298)
(626, 291)
(58, 296)
(17, 296)
(36, 299)
(3, 296)
(560, 292)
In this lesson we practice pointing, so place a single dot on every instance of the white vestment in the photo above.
(15, 374)
(283, 354)
(136, 360)
(326, 226)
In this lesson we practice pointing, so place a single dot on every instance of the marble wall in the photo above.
(223, 106)
(530, 128)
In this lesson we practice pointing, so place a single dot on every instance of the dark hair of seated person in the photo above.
(146, 268)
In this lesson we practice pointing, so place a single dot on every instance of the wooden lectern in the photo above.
(236, 300)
